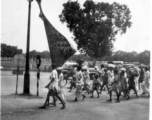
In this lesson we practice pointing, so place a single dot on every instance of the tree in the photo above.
(81, 57)
(80, 62)
(144, 57)
(33, 54)
(3, 50)
(9, 51)
(44, 54)
(96, 25)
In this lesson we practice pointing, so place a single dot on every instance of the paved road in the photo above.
(8, 82)
(27, 107)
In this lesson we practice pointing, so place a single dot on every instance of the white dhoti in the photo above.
(145, 87)
(63, 95)
(112, 79)
(54, 85)
(59, 91)
(136, 83)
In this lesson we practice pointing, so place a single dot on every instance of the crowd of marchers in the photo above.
(120, 80)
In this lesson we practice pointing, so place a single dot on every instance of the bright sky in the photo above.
(14, 16)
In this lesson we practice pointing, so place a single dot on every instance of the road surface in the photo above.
(19, 107)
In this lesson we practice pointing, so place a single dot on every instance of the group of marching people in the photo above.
(118, 80)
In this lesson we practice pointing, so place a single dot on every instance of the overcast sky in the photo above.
(14, 16)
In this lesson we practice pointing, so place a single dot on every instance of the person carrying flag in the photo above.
(60, 51)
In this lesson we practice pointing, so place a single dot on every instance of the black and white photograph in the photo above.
(75, 59)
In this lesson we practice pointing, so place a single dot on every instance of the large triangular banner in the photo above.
(60, 49)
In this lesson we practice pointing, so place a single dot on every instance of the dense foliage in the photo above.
(9, 51)
(143, 57)
(96, 25)
(44, 54)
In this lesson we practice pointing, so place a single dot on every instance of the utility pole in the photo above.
(26, 89)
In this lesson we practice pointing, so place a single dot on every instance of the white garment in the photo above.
(109, 76)
(86, 77)
(145, 83)
(145, 87)
(75, 71)
(147, 76)
(102, 72)
(136, 71)
(136, 82)
(125, 75)
(79, 77)
(60, 79)
(54, 75)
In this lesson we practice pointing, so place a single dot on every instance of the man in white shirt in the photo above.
(54, 80)
(54, 89)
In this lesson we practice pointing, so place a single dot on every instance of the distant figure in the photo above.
(116, 86)
(101, 73)
(131, 81)
(124, 84)
(86, 79)
(96, 85)
(145, 84)
(73, 81)
(136, 78)
(110, 76)
(79, 84)
(38, 61)
(105, 80)
(141, 78)
(98, 73)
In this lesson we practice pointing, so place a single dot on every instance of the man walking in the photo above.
(54, 89)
